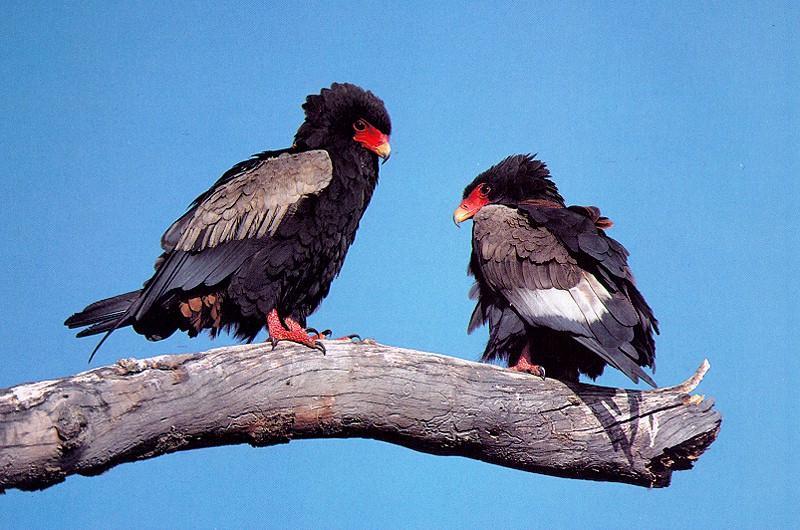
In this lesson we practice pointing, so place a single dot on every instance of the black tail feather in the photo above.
(100, 327)
(101, 312)
(103, 316)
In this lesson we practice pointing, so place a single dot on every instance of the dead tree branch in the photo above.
(139, 409)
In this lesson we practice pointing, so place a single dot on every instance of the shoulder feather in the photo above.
(253, 203)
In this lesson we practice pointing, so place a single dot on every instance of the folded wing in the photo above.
(550, 284)
(232, 221)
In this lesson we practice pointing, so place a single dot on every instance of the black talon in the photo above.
(355, 337)
(323, 333)
(542, 374)
(319, 346)
(273, 342)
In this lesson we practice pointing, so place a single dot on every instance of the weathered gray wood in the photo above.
(139, 409)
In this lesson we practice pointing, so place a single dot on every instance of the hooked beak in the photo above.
(461, 214)
(383, 150)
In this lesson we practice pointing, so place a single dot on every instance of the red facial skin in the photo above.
(476, 200)
(371, 138)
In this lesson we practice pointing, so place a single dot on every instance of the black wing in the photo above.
(603, 256)
(231, 222)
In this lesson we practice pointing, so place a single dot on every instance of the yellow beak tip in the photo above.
(384, 150)
(460, 215)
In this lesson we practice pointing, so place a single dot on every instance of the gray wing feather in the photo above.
(512, 253)
(252, 204)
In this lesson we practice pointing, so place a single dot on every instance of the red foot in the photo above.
(294, 333)
(524, 364)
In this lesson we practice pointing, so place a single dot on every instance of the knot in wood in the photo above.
(70, 425)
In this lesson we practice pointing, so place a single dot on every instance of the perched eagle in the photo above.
(263, 245)
(556, 291)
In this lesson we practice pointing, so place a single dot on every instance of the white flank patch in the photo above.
(572, 310)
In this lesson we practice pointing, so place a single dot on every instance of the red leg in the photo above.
(294, 333)
(524, 364)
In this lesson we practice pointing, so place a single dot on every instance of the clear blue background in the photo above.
(679, 119)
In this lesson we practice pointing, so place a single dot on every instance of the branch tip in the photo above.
(691, 383)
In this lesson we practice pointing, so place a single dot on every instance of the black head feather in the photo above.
(332, 112)
(515, 179)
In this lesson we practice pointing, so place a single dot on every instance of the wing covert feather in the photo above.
(512, 253)
(253, 203)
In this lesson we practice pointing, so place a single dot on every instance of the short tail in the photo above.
(104, 315)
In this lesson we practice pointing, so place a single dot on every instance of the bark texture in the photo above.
(139, 409)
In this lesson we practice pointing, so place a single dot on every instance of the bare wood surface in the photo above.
(138, 409)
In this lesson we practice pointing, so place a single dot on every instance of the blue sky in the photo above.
(680, 120)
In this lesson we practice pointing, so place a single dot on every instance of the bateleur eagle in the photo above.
(555, 289)
(263, 244)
